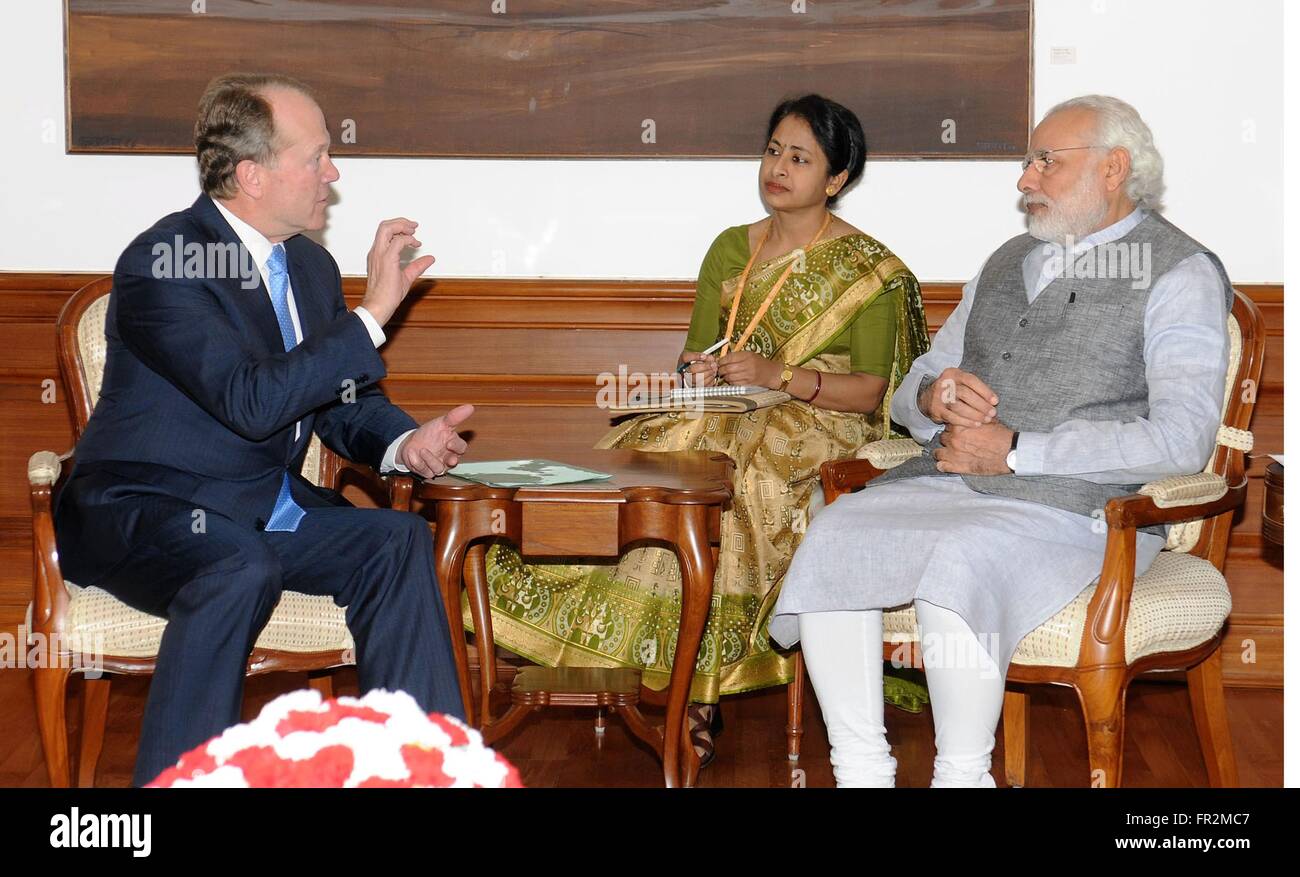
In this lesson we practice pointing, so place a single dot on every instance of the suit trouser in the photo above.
(218, 586)
(842, 651)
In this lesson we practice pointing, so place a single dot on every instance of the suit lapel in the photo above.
(254, 302)
(307, 299)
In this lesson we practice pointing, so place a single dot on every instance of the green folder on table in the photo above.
(525, 473)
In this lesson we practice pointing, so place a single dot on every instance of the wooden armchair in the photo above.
(1168, 619)
(88, 630)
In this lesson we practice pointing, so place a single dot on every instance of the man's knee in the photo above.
(237, 568)
(406, 532)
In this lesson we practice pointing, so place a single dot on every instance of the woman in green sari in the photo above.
(810, 305)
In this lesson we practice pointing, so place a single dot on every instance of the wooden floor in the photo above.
(559, 748)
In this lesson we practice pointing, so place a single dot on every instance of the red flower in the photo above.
(332, 713)
(192, 763)
(425, 766)
(512, 780)
(455, 731)
(263, 768)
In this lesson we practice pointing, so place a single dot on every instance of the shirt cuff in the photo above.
(906, 409)
(1031, 448)
(377, 335)
(390, 463)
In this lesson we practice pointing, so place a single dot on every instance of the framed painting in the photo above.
(563, 78)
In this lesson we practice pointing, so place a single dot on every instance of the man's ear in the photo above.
(1118, 163)
(248, 174)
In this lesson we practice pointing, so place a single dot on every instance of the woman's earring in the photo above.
(830, 190)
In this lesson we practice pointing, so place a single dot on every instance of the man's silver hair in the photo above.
(1118, 124)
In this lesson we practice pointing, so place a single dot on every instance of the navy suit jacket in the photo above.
(199, 397)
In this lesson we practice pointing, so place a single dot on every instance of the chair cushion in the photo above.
(300, 623)
(1181, 602)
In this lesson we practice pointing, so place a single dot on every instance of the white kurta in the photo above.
(1004, 565)
(1007, 565)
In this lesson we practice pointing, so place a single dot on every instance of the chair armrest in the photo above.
(400, 488)
(873, 458)
(1103, 642)
(888, 453)
(1183, 490)
(1171, 500)
(49, 592)
(845, 476)
(44, 468)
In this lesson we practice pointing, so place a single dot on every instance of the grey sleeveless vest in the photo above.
(1075, 353)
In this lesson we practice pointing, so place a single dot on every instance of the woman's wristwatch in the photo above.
(787, 375)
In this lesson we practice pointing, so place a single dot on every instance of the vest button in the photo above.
(1006, 354)
(1023, 322)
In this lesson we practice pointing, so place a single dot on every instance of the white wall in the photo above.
(1206, 74)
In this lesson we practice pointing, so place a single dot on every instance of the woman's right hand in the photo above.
(702, 371)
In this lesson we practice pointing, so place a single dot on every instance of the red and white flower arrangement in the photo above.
(382, 740)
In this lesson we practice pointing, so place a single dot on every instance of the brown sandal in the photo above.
(706, 725)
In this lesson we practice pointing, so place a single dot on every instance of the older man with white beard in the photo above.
(1049, 390)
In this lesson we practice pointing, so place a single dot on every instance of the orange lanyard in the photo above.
(771, 296)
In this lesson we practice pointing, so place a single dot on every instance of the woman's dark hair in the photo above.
(838, 133)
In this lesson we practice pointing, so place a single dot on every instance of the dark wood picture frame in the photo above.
(561, 78)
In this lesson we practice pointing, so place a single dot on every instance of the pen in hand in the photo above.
(685, 365)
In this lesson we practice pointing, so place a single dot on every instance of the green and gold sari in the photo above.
(626, 614)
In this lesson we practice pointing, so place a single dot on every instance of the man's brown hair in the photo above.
(235, 123)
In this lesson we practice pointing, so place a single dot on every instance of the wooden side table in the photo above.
(1271, 528)
(673, 498)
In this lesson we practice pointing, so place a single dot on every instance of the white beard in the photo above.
(1075, 216)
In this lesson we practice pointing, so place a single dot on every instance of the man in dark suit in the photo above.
(186, 499)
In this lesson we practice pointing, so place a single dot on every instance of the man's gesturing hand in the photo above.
(435, 447)
(387, 282)
(958, 398)
(979, 451)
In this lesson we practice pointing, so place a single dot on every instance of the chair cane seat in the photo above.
(1181, 602)
(301, 623)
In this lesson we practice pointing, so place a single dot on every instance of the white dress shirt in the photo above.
(259, 247)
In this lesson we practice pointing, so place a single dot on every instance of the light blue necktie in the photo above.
(287, 513)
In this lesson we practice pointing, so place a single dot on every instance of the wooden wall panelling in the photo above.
(527, 354)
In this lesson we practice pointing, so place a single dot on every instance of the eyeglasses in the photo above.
(1042, 159)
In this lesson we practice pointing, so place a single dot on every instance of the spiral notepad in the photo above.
(724, 400)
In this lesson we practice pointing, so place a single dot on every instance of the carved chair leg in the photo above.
(1102, 694)
(1015, 735)
(52, 720)
(1205, 686)
(690, 763)
(794, 709)
(322, 681)
(480, 608)
(507, 723)
(94, 715)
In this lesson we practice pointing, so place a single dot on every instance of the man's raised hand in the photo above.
(387, 281)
